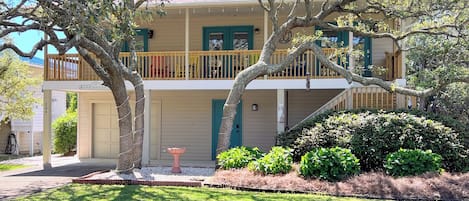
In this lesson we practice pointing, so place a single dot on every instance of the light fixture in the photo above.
(257, 30)
(150, 33)
(254, 107)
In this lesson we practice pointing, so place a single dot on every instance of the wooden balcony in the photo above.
(201, 65)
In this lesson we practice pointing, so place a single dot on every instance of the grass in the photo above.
(8, 166)
(135, 192)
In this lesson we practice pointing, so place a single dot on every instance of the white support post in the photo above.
(146, 129)
(186, 45)
(266, 31)
(31, 149)
(350, 46)
(46, 135)
(281, 111)
(403, 53)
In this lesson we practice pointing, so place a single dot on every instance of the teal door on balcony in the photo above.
(220, 65)
(236, 131)
(228, 38)
(333, 39)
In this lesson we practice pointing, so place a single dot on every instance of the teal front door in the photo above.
(236, 132)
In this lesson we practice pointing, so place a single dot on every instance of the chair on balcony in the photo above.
(158, 68)
(194, 67)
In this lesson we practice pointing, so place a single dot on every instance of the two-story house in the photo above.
(189, 59)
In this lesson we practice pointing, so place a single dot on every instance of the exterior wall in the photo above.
(302, 103)
(186, 120)
(169, 30)
(379, 46)
(24, 142)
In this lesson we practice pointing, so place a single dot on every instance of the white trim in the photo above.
(147, 129)
(281, 111)
(339, 83)
(400, 82)
(186, 44)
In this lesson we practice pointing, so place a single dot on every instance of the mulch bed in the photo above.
(369, 185)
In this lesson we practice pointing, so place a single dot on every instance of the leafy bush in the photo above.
(371, 135)
(238, 157)
(406, 162)
(278, 160)
(330, 164)
(336, 130)
(382, 134)
(65, 130)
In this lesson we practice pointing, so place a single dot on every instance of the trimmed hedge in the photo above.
(331, 164)
(277, 161)
(238, 157)
(407, 162)
(65, 130)
(371, 135)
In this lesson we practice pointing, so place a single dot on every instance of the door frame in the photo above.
(228, 35)
(216, 125)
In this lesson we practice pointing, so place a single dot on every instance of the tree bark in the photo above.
(231, 103)
(139, 120)
(125, 162)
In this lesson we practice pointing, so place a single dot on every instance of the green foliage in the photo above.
(372, 135)
(277, 161)
(381, 134)
(332, 164)
(288, 138)
(238, 157)
(71, 102)
(9, 166)
(15, 82)
(65, 130)
(406, 162)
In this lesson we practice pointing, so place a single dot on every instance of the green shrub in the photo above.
(385, 133)
(278, 160)
(330, 164)
(65, 130)
(406, 162)
(238, 157)
(373, 134)
(286, 139)
(336, 130)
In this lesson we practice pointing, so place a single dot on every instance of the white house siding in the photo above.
(302, 103)
(186, 121)
(379, 47)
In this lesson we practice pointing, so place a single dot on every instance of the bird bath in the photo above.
(176, 152)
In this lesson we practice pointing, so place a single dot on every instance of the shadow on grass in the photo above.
(160, 193)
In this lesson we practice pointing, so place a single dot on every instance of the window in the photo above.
(141, 41)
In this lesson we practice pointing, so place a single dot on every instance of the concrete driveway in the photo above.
(35, 179)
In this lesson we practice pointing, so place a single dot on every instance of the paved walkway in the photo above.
(34, 179)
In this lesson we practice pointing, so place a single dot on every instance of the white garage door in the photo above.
(105, 131)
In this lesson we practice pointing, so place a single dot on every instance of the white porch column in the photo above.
(281, 111)
(266, 31)
(146, 129)
(186, 45)
(46, 135)
(350, 46)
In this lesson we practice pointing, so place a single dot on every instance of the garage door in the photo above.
(105, 131)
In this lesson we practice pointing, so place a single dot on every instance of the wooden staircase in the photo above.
(371, 97)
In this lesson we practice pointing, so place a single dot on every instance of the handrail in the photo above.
(362, 97)
(203, 65)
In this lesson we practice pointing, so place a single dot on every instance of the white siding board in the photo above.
(302, 103)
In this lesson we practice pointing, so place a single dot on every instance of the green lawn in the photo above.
(8, 166)
(134, 192)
